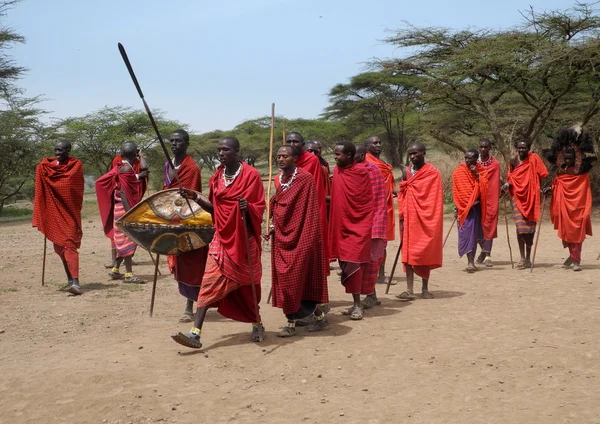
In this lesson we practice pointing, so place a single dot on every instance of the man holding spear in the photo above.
(231, 280)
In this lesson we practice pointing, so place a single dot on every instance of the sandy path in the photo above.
(497, 346)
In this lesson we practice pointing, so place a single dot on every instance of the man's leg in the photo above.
(192, 337)
(410, 281)
(575, 255)
(129, 277)
(425, 293)
(381, 278)
(71, 259)
(521, 242)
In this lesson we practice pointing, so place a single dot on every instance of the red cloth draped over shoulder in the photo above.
(491, 203)
(390, 186)
(312, 164)
(189, 267)
(571, 207)
(227, 216)
(105, 187)
(58, 200)
(466, 190)
(137, 168)
(525, 186)
(422, 208)
(298, 239)
(351, 215)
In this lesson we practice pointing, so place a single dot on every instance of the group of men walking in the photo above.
(315, 220)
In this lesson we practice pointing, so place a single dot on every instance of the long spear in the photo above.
(539, 230)
(152, 121)
(507, 236)
(270, 166)
(44, 261)
(252, 278)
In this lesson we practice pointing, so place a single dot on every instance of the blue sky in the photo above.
(215, 64)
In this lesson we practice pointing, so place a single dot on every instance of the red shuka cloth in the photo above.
(137, 168)
(466, 190)
(105, 188)
(58, 200)
(351, 215)
(187, 268)
(298, 239)
(390, 186)
(525, 186)
(571, 206)
(422, 208)
(312, 164)
(491, 203)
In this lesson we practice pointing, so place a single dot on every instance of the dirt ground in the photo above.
(497, 346)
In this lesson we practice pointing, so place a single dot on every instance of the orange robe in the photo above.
(466, 190)
(491, 203)
(390, 187)
(524, 182)
(571, 207)
(422, 210)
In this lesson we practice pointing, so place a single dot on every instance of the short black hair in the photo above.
(523, 140)
(347, 148)
(65, 143)
(232, 140)
(184, 134)
(297, 134)
(294, 151)
(474, 151)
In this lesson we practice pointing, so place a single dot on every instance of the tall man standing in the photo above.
(351, 220)
(373, 145)
(525, 173)
(117, 192)
(297, 238)
(421, 220)
(491, 202)
(469, 190)
(236, 199)
(378, 230)
(187, 268)
(57, 205)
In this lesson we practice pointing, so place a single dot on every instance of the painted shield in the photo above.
(163, 223)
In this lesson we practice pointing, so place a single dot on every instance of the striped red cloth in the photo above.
(137, 168)
(379, 229)
(467, 190)
(298, 239)
(58, 200)
(492, 201)
(390, 186)
(571, 207)
(187, 268)
(351, 216)
(422, 210)
(524, 182)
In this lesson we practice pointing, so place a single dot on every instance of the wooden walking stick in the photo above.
(44, 262)
(537, 236)
(154, 285)
(261, 335)
(270, 166)
(387, 289)
(155, 263)
(507, 236)
(283, 138)
(449, 231)
(598, 258)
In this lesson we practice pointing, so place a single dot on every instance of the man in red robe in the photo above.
(57, 205)
(378, 230)
(421, 221)
(314, 148)
(491, 202)
(187, 268)
(231, 281)
(140, 169)
(297, 238)
(525, 173)
(373, 145)
(571, 206)
(351, 221)
(469, 191)
(117, 192)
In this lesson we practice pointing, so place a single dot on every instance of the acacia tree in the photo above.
(507, 84)
(375, 101)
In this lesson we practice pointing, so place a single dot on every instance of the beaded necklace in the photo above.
(285, 186)
(485, 163)
(229, 179)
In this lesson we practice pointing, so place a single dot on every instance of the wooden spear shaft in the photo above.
(44, 262)
(539, 230)
(270, 167)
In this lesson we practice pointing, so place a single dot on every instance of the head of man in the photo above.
(295, 139)
(522, 149)
(416, 154)
(228, 149)
(62, 148)
(471, 157)
(373, 145)
(361, 153)
(129, 151)
(180, 140)
(569, 157)
(286, 158)
(344, 153)
(311, 147)
(485, 146)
